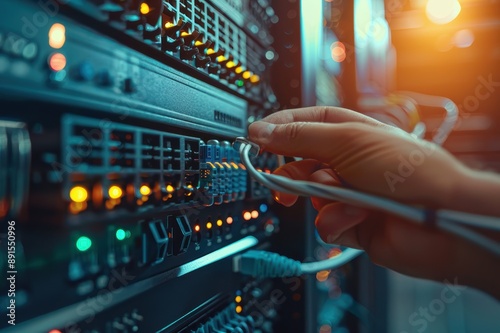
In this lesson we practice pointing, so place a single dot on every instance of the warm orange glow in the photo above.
(57, 36)
(145, 190)
(255, 214)
(169, 25)
(57, 62)
(239, 309)
(145, 8)
(247, 75)
(210, 51)
(247, 216)
(334, 252)
(221, 58)
(197, 228)
(229, 220)
(219, 223)
(255, 78)
(325, 329)
(110, 204)
(3, 208)
(237, 299)
(198, 43)
(77, 207)
(209, 225)
(78, 194)
(115, 192)
(239, 70)
(189, 192)
(170, 188)
(338, 51)
(442, 11)
(322, 276)
(55, 331)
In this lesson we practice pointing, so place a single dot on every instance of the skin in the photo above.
(341, 147)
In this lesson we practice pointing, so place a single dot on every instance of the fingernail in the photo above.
(261, 130)
(353, 211)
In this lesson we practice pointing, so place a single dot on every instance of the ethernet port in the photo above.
(171, 153)
(150, 151)
(154, 242)
(121, 149)
(192, 154)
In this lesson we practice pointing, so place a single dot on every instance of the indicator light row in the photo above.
(115, 195)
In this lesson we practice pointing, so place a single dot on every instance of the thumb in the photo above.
(319, 141)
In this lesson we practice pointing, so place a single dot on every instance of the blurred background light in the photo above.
(442, 11)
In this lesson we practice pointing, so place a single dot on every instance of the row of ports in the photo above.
(130, 148)
(190, 32)
(109, 194)
(222, 175)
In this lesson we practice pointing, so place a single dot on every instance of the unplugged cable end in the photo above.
(254, 148)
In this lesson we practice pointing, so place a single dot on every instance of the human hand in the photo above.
(342, 148)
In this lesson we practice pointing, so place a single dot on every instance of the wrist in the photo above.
(475, 192)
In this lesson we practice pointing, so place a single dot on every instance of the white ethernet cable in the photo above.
(261, 263)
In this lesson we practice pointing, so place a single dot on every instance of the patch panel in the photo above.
(211, 36)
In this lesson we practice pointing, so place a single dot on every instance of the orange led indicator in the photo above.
(55, 331)
(230, 64)
(247, 75)
(237, 299)
(255, 78)
(78, 194)
(229, 220)
(197, 228)
(145, 190)
(115, 192)
(145, 8)
(255, 214)
(57, 62)
(221, 58)
(247, 216)
(209, 225)
(219, 223)
(239, 309)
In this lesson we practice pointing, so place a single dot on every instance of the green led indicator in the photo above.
(120, 234)
(83, 243)
(240, 83)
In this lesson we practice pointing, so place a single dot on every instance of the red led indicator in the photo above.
(57, 62)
